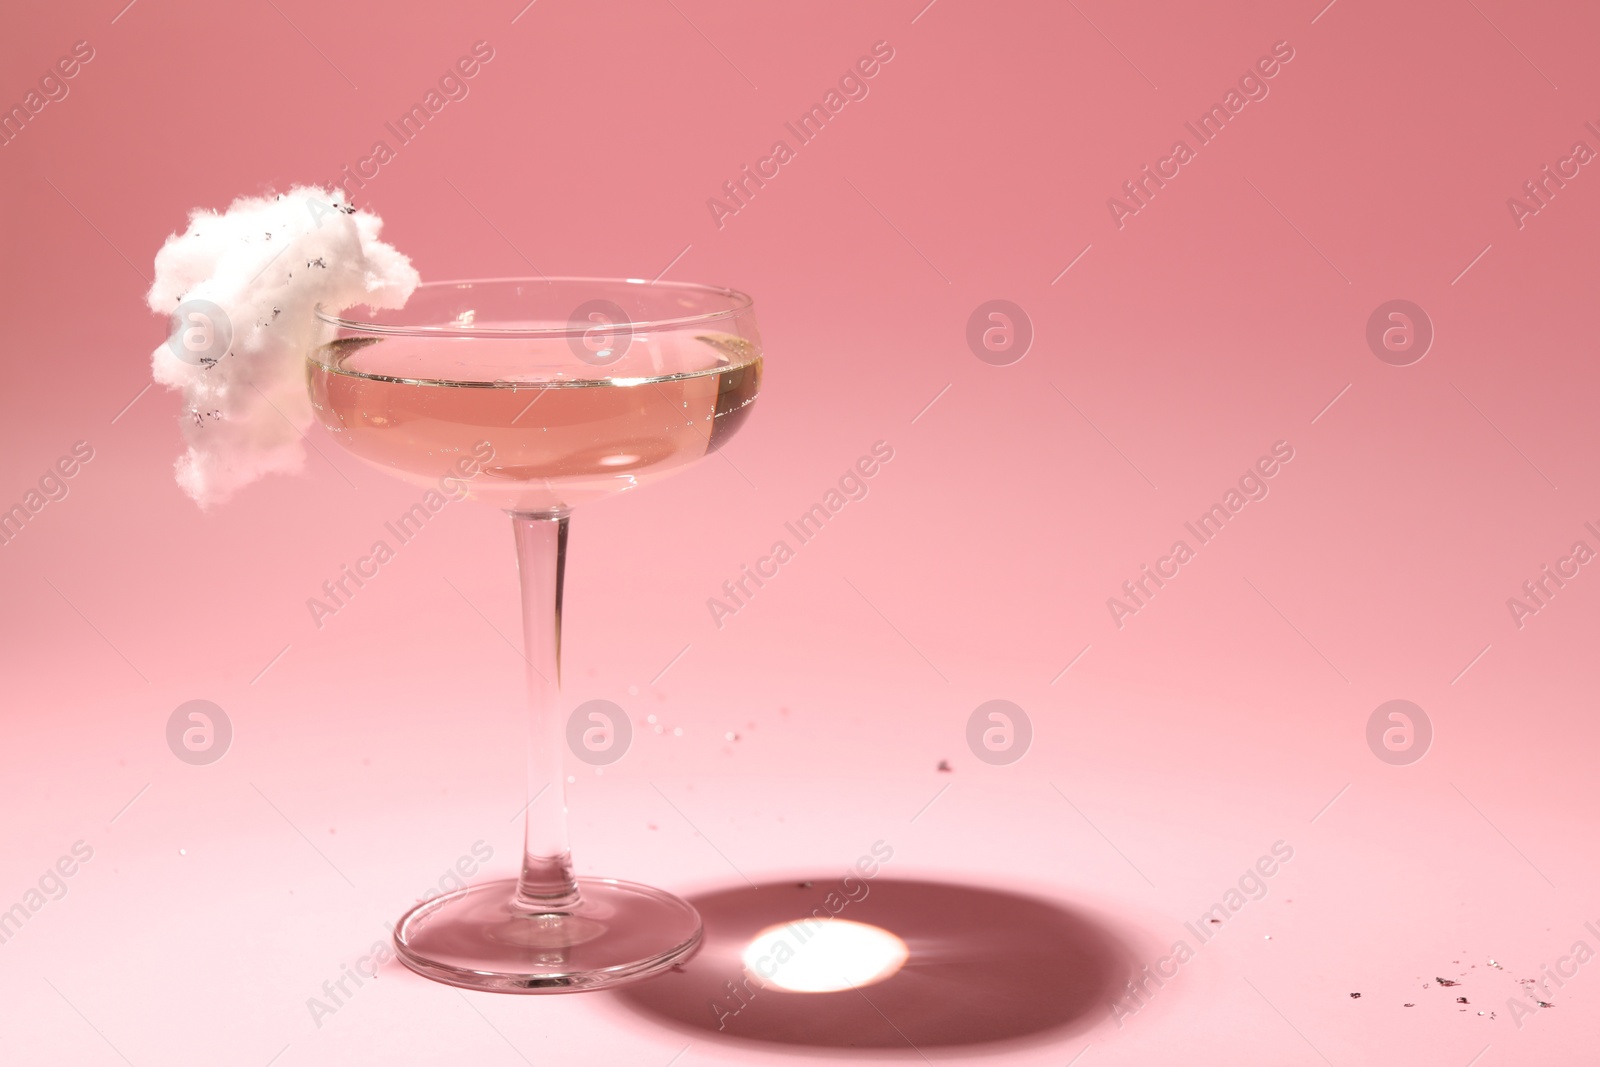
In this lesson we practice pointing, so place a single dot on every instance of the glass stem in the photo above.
(546, 883)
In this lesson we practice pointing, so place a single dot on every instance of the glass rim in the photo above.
(739, 303)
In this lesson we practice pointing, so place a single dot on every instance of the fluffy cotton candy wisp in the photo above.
(241, 288)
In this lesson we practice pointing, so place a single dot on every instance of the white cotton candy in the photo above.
(266, 263)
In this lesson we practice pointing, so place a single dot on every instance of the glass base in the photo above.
(618, 932)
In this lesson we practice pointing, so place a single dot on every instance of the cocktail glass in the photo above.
(536, 395)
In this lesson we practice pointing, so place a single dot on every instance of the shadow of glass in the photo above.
(984, 966)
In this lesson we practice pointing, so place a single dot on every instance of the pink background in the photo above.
(1223, 317)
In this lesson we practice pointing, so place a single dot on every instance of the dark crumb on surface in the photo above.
(1409, 1005)
(1462, 1000)
(1544, 1004)
(803, 885)
(1446, 981)
(944, 766)
(1216, 922)
(318, 262)
(1355, 996)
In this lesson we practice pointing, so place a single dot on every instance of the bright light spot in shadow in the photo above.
(618, 461)
(823, 956)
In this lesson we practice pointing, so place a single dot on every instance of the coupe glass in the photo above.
(536, 395)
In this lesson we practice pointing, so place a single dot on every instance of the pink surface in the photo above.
(1170, 352)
